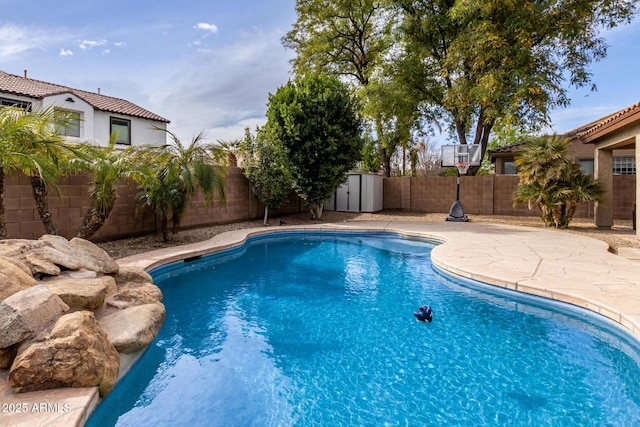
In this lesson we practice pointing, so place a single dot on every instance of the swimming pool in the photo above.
(318, 329)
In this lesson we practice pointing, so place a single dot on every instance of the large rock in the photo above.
(76, 353)
(13, 248)
(21, 265)
(39, 255)
(133, 294)
(27, 312)
(6, 357)
(13, 279)
(92, 257)
(134, 328)
(132, 275)
(83, 294)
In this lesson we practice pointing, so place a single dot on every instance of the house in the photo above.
(91, 116)
(624, 162)
(605, 147)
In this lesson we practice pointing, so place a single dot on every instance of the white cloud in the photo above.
(106, 51)
(66, 52)
(15, 40)
(90, 44)
(224, 90)
(207, 27)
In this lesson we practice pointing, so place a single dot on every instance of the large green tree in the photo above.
(316, 119)
(266, 166)
(476, 61)
(347, 38)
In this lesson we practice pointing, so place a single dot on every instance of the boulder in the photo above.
(133, 294)
(79, 274)
(132, 275)
(92, 257)
(135, 327)
(38, 264)
(39, 255)
(6, 357)
(83, 294)
(13, 248)
(55, 256)
(27, 312)
(76, 353)
(13, 279)
(21, 265)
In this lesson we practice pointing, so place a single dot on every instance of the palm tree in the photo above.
(30, 144)
(552, 181)
(179, 173)
(106, 167)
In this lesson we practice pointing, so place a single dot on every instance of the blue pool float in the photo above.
(424, 313)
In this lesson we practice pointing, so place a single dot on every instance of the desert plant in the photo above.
(552, 181)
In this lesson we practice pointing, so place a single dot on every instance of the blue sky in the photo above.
(210, 65)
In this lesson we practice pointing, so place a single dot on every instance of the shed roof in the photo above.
(18, 85)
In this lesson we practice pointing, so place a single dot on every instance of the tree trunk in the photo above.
(316, 210)
(164, 227)
(3, 219)
(175, 222)
(41, 196)
(385, 159)
(266, 215)
(92, 222)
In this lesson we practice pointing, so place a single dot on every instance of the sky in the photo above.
(210, 65)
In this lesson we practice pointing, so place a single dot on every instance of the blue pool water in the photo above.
(318, 329)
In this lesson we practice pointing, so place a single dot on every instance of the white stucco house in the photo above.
(93, 117)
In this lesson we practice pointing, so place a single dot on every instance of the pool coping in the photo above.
(550, 263)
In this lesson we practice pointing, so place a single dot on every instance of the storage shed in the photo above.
(362, 192)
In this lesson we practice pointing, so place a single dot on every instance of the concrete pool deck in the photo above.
(550, 263)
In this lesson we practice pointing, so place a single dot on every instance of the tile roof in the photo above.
(609, 121)
(37, 89)
(505, 149)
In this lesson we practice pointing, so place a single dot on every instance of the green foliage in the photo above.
(477, 61)
(552, 181)
(317, 122)
(266, 166)
(29, 144)
(370, 155)
(106, 166)
(177, 173)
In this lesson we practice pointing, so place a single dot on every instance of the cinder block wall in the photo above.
(486, 195)
(127, 218)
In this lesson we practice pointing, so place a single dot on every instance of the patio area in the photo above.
(550, 263)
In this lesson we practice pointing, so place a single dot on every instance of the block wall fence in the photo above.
(486, 195)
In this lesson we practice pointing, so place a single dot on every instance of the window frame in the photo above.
(8, 102)
(122, 123)
(73, 115)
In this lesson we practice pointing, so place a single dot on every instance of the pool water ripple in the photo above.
(319, 330)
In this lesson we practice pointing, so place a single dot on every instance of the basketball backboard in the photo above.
(454, 154)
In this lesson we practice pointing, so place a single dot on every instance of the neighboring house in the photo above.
(624, 161)
(91, 116)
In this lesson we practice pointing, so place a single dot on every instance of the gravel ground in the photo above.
(620, 235)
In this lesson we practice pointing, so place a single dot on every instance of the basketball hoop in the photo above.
(463, 167)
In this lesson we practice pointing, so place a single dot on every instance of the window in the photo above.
(6, 102)
(510, 168)
(624, 165)
(586, 166)
(122, 129)
(68, 122)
